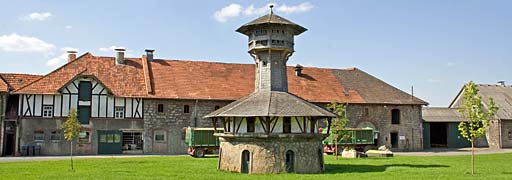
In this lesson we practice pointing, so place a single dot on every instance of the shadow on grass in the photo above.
(348, 168)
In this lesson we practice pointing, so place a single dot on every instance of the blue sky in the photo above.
(435, 46)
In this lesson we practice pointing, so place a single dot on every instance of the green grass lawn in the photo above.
(496, 166)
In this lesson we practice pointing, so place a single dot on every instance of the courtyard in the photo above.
(488, 166)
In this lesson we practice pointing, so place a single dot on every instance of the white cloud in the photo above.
(230, 11)
(233, 11)
(17, 43)
(111, 48)
(300, 8)
(36, 16)
(430, 80)
(59, 60)
(68, 27)
(450, 64)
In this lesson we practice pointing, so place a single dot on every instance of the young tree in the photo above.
(71, 129)
(339, 123)
(478, 117)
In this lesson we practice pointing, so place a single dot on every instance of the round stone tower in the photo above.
(271, 130)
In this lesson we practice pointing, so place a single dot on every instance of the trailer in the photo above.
(356, 137)
(200, 141)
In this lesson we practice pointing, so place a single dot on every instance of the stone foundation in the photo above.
(268, 152)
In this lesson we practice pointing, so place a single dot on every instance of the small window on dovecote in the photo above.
(217, 107)
(160, 108)
(186, 109)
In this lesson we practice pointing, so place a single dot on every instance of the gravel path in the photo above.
(454, 152)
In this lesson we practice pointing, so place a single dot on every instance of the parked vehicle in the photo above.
(201, 141)
(355, 137)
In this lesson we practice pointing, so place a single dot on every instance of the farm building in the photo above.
(441, 123)
(141, 105)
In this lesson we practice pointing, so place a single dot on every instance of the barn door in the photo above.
(109, 142)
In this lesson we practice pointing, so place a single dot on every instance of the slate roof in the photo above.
(180, 79)
(13, 81)
(270, 19)
(372, 89)
(270, 103)
(502, 96)
(441, 114)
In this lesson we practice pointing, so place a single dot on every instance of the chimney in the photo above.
(149, 54)
(298, 70)
(119, 56)
(71, 55)
(501, 83)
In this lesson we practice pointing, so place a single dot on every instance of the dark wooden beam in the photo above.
(329, 120)
(312, 127)
(262, 124)
(240, 123)
(298, 123)
(214, 124)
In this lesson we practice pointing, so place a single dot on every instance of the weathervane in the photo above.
(271, 6)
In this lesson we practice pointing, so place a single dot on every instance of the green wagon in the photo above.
(201, 141)
(357, 137)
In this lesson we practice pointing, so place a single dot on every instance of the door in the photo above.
(109, 142)
(438, 135)
(394, 140)
(246, 161)
(9, 144)
(290, 161)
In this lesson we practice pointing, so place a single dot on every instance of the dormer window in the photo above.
(84, 91)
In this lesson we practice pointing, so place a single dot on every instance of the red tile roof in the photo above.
(14, 81)
(179, 79)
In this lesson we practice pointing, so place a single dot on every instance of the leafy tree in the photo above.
(478, 117)
(339, 123)
(71, 129)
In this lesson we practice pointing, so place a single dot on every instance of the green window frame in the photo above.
(85, 91)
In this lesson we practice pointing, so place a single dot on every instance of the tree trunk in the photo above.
(472, 157)
(71, 148)
(336, 147)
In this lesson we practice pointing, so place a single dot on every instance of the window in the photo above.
(395, 116)
(160, 108)
(84, 91)
(39, 136)
(119, 112)
(84, 113)
(217, 107)
(510, 135)
(47, 111)
(366, 112)
(186, 109)
(250, 124)
(159, 136)
(84, 137)
(55, 136)
(287, 125)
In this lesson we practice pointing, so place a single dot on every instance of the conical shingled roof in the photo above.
(270, 19)
(270, 103)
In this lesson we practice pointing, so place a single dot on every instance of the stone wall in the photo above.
(47, 125)
(173, 121)
(267, 154)
(410, 125)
